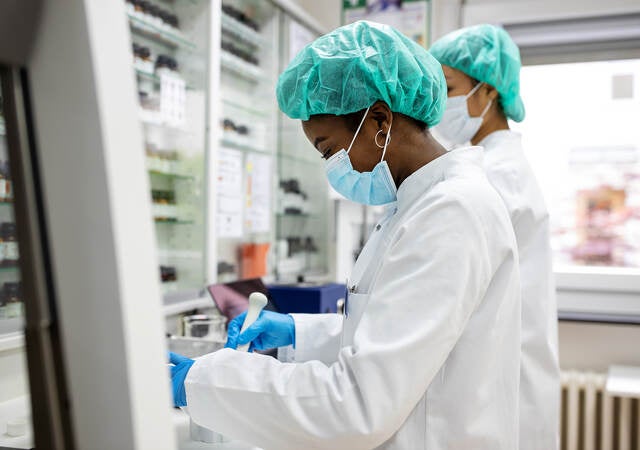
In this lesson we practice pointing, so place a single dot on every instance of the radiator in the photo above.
(592, 420)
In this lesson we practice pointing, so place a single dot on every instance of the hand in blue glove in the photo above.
(181, 365)
(270, 330)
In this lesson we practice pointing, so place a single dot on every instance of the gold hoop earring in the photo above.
(376, 139)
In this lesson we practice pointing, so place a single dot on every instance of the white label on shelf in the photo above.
(172, 98)
(229, 194)
(258, 170)
(11, 251)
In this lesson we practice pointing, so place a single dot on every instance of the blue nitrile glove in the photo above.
(181, 365)
(270, 330)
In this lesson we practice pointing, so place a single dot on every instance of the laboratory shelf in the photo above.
(179, 254)
(164, 36)
(241, 144)
(11, 339)
(155, 79)
(152, 119)
(303, 160)
(245, 108)
(173, 222)
(9, 267)
(240, 67)
(241, 31)
(297, 216)
(173, 175)
(187, 305)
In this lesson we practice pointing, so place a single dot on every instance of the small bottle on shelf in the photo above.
(11, 250)
(3, 251)
(13, 300)
(8, 183)
(3, 182)
(154, 13)
(139, 8)
(3, 305)
(131, 7)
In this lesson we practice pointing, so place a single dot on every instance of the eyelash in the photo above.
(324, 155)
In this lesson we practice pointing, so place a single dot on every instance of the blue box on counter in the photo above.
(307, 299)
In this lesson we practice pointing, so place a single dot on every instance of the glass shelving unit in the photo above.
(171, 45)
(144, 24)
(249, 54)
(303, 214)
(11, 302)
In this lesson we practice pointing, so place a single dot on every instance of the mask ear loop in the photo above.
(475, 89)
(358, 130)
(486, 108)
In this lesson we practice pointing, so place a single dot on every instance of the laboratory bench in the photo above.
(19, 408)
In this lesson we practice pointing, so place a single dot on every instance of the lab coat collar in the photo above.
(425, 178)
(497, 137)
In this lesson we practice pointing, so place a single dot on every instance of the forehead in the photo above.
(453, 75)
(322, 125)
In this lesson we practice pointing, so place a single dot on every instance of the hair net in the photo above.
(486, 53)
(352, 67)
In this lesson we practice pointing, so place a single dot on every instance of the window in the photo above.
(582, 138)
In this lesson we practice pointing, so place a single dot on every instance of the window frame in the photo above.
(587, 293)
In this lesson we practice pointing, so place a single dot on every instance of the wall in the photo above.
(13, 376)
(446, 13)
(520, 11)
(327, 12)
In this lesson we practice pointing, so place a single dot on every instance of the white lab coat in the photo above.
(509, 172)
(427, 356)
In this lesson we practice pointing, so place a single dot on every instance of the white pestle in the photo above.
(257, 301)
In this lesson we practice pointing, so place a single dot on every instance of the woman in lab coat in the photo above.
(482, 68)
(426, 355)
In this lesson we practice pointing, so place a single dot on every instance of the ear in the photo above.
(490, 91)
(383, 116)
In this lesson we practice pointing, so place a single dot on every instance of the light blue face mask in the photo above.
(370, 188)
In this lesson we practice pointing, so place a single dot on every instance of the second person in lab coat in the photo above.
(426, 355)
(482, 68)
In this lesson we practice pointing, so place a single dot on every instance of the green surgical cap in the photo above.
(486, 53)
(352, 67)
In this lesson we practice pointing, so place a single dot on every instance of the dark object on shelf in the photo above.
(297, 244)
(163, 197)
(242, 54)
(168, 273)
(310, 245)
(229, 125)
(164, 61)
(240, 16)
(224, 268)
(9, 243)
(153, 10)
(141, 51)
(292, 186)
(289, 211)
